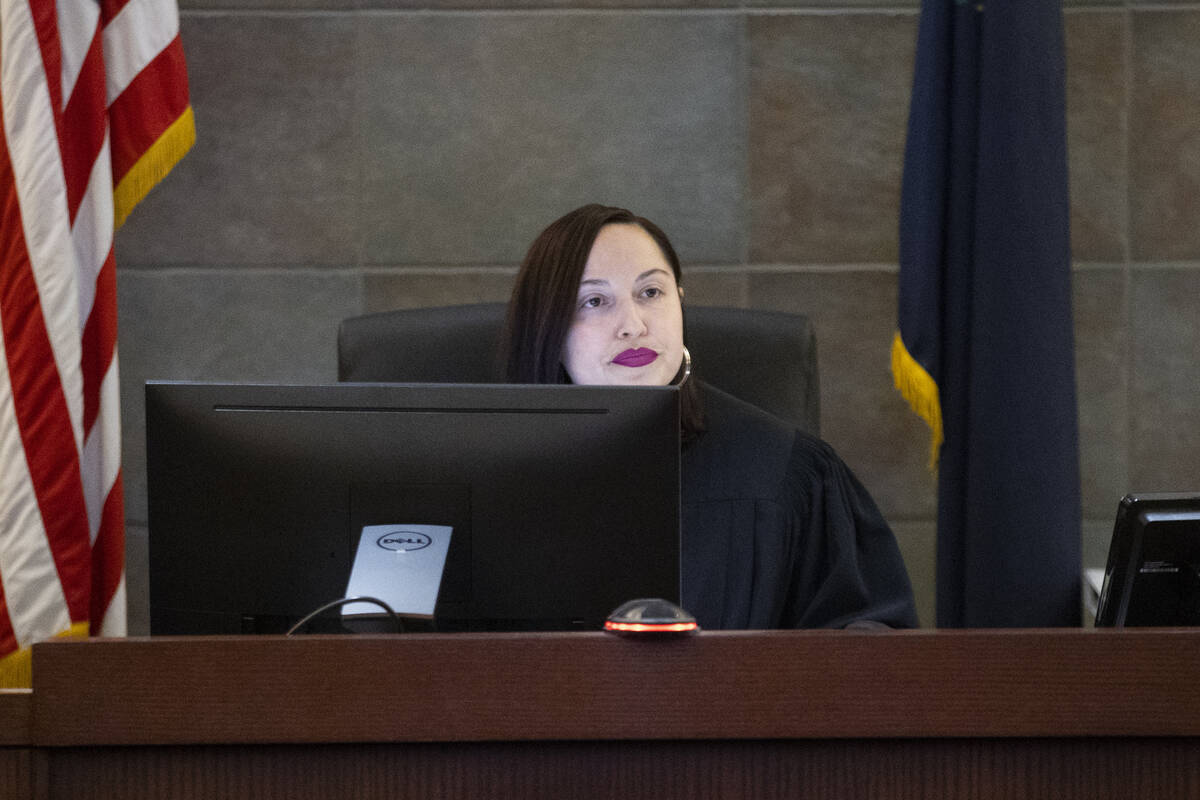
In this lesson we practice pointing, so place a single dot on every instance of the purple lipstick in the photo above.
(638, 357)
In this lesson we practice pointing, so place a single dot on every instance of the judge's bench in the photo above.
(832, 714)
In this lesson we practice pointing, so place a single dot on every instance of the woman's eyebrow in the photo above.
(604, 281)
(649, 272)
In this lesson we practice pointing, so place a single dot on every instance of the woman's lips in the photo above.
(639, 357)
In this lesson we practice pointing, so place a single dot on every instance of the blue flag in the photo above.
(985, 350)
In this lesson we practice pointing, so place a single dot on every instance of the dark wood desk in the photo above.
(962, 714)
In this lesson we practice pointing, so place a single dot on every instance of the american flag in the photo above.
(95, 111)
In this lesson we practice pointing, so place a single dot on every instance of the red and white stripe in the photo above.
(88, 90)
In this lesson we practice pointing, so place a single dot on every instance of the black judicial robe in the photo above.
(779, 533)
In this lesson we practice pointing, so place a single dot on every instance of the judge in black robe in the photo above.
(779, 533)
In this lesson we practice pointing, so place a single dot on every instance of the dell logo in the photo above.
(403, 541)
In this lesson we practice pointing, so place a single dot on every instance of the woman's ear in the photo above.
(681, 292)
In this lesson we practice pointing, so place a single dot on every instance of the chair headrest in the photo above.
(767, 358)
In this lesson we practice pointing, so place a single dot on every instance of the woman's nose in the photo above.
(631, 325)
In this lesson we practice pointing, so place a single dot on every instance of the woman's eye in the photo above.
(652, 292)
(591, 302)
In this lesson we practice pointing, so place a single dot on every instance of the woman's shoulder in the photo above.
(746, 451)
(726, 415)
(731, 419)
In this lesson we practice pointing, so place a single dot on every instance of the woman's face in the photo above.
(628, 322)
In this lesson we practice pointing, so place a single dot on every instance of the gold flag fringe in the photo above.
(16, 668)
(921, 391)
(154, 165)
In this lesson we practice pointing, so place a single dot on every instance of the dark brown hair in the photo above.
(544, 296)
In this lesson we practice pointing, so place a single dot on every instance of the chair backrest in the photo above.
(768, 358)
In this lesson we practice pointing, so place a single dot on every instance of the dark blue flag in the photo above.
(985, 350)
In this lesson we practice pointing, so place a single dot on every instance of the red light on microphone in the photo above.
(650, 627)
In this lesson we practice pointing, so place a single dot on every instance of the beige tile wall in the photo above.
(357, 155)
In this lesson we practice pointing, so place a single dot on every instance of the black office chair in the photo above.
(768, 358)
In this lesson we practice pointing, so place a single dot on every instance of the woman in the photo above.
(777, 532)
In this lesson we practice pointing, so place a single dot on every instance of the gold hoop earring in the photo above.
(687, 368)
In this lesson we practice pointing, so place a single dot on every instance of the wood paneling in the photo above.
(16, 716)
(965, 769)
(763, 685)
(1088, 714)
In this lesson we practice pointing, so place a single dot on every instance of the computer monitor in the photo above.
(563, 500)
(1153, 572)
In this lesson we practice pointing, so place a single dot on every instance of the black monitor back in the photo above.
(1153, 572)
(564, 499)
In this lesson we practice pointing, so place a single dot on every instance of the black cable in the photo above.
(395, 617)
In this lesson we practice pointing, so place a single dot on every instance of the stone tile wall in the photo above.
(358, 155)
